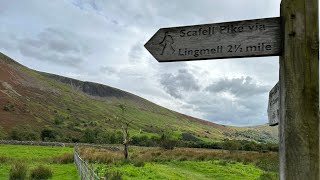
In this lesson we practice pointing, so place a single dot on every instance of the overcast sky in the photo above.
(102, 41)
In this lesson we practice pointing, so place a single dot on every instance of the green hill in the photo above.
(31, 101)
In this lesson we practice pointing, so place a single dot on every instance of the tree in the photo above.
(125, 131)
(126, 139)
(89, 136)
(24, 133)
(166, 140)
(48, 135)
(3, 134)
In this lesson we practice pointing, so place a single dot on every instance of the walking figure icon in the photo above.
(167, 44)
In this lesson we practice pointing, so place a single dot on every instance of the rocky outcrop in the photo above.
(90, 88)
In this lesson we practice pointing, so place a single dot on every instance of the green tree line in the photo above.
(165, 139)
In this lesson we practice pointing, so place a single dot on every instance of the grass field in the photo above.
(145, 163)
(188, 170)
(34, 156)
(183, 163)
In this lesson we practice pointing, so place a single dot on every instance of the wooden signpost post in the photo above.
(299, 90)
(294, 36)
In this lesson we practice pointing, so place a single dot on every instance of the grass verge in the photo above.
(35, 156)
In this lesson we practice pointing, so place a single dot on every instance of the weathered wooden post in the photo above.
(299, 91)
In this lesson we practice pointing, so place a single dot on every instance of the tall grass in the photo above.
(265, 161)
(63, 159)
(245, 157)
(18, 171)
(41, 173)
(4, 159)
(100, 155)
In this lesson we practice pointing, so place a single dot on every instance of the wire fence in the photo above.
(85, 171)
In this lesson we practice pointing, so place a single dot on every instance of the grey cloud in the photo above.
(107, 69)
(59, 41)
(54, 46)
(170, 68)
(115, 22)
(240, 111)
(7, 44)
(68, 60)
(83, 4)
(183, 12)
(135, 52)
(176, 84)
(240, 87)
(32, 42)
(94, 5)
(4, 5)
(97, 8)
(248, 106)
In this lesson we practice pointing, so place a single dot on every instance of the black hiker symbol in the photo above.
(167, 44)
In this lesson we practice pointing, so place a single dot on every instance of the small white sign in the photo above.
(274, 105)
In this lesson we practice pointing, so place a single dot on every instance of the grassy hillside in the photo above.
(31, 101)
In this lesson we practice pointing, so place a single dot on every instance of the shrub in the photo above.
(24, 133)
(59, 119)
(232, 145)
(138, 163)
(268, 176)
(223, 162)
(3, 134)
(166, 141)
(268, 164)
(189, 137)
(8, 107)
(201, 157)
(145, 141)
(113, 175)
(227, 144)
(18, 171)
(168, 144)
(89, 135)
(182, 158)
(93, 123)
(48, 135)
(41, 172)
(103, 137)
(4, 159)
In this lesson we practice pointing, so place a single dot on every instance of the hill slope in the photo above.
(69, 106)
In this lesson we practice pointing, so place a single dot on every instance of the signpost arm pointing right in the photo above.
(299, 91)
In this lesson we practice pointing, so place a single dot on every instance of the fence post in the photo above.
(85, 170)
(92, 172)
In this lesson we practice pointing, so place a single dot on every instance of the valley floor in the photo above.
(144, 163)
(189, 170)
(183, 163)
